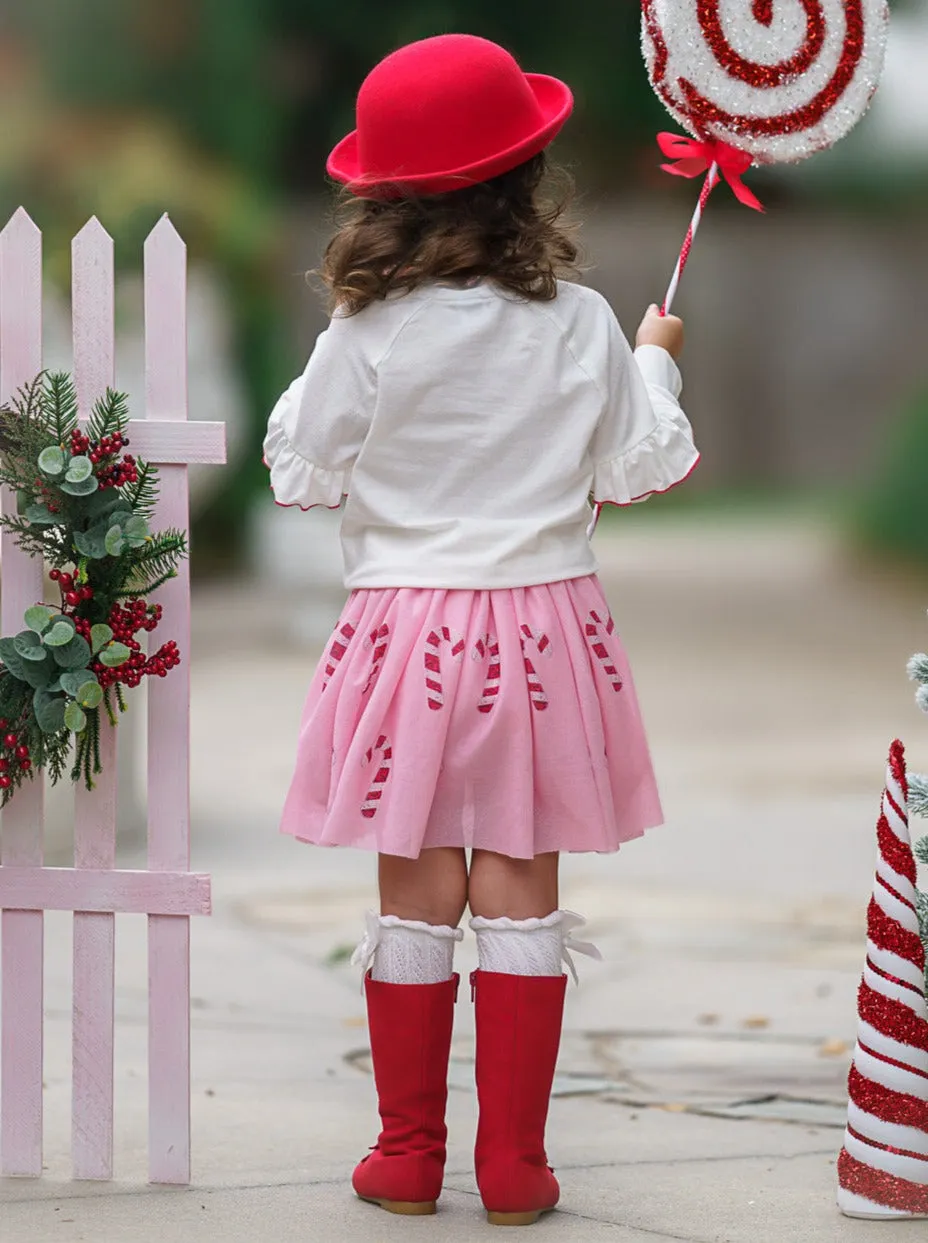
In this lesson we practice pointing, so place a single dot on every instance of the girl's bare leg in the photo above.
(431, 889)
(517, 888)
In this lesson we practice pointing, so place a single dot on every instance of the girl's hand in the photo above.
(663, 330)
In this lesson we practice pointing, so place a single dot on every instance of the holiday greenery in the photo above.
(83, 505)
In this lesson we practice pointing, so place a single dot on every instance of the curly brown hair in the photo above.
(506, 230)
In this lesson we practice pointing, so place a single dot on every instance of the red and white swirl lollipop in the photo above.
(759, 81)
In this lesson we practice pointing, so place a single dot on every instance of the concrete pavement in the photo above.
(701, 1087)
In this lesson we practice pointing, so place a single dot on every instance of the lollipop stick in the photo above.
(712, 180)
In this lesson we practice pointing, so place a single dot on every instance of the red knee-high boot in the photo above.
(410, 1030)
(518, 1034)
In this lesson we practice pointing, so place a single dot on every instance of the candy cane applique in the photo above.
(594, 628)
(343, 637)
(535, 688)
(433, 678)
(488, 646)
(380, 778)
(378, 640)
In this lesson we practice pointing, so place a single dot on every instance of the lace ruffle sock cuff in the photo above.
(531, 946)
(404, 951)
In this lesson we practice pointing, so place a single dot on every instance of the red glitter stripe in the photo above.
(895, 892)
(763, 12)
(880, 1187)
(903, 815)
(897, 766)
(886, 933)
(900, 1108)
(892, 1018)
(703, 112)
(382, 775)
(896, 853)
(897, 1152)
(894, 979)
(763, 77)
(891, 1061)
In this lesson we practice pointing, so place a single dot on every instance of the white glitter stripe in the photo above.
(895, 1136)
(914, 1170)
(905, 1053)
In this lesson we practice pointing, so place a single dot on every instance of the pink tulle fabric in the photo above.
(501, 720)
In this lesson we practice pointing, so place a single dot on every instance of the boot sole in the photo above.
(516, 1219)
(404, 1208)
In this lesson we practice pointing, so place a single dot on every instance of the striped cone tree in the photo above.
(883, 1166)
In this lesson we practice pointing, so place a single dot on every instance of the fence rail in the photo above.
(168, 893)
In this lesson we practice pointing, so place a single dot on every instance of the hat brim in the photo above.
(555, 101)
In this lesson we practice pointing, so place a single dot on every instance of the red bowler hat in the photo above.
(445, 113)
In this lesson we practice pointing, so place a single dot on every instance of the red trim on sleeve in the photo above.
(656, 492)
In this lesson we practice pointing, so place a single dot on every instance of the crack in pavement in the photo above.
(608, 1221)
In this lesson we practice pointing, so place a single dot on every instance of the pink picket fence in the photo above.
(94, 889)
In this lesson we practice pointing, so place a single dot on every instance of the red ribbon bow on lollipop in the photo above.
(694, 158)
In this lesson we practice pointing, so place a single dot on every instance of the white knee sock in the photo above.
(530, 946)
(403, 951)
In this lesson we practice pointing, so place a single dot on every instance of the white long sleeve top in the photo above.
(469, 430)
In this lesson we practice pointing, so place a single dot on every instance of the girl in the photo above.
(468, 403)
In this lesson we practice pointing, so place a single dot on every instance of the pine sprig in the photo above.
(59, 402)
(110, 414)
(143, 495)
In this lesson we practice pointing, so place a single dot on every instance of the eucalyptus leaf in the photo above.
(90, 544)
(54, 685)
(29, 645)
(136, 528)
(108, 501)
(49, 711)
(84, 488)
(90, 695)
(38, 618)
(73, 680)
(13, 662)
(40, 516)
(114, 655)
(60, 634)
(100, 635)
(79, 469)
(75, 718)
(74, 655)
(114, 541)
(39, 673)
(51, 461)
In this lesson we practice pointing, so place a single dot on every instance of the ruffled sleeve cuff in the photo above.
(296, 481)
(664, 457)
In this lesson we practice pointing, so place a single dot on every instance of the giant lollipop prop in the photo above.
(758, 82)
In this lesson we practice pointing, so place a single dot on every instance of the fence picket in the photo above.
(169, 729)
(21, 842)
(92, 299)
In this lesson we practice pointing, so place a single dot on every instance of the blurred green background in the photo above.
(805, 371)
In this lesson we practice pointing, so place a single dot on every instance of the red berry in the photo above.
(22, 752)
(4, 723)
(54, 575)
(72, 598)
(10, 741)
(25, 765)
(4, 765)
(86, 593)
(5, 783)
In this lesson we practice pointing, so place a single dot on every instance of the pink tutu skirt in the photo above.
(501, 720)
